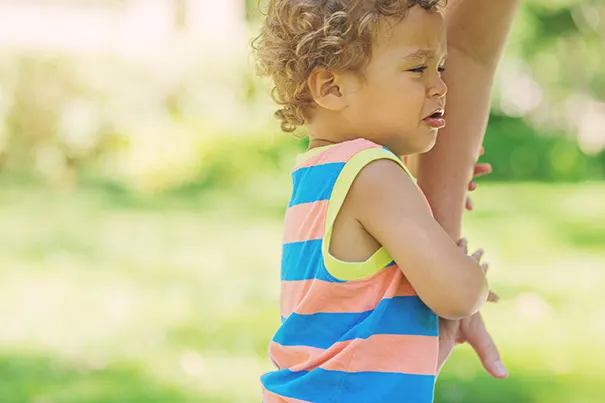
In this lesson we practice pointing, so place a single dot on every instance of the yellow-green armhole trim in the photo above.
(337, 268)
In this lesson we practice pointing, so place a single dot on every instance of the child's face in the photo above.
(402, 84)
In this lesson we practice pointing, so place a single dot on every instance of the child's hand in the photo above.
(480, 170)
(478, 256)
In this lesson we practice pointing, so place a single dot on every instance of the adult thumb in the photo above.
(486, 349)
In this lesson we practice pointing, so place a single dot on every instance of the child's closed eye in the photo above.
(422, 69)
(419, 69)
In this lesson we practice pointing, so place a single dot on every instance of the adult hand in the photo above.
(473, 331)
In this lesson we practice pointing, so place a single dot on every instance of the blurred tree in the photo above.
(558, 49)
(60, 114)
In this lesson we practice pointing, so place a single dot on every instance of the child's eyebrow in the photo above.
(421, 54)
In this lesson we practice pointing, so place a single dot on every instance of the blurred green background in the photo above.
(143, 183)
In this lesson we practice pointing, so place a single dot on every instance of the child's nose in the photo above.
(437, 87)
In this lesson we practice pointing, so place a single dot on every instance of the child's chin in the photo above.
(428, 146)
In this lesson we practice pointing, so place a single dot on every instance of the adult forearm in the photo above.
(444, 173)
(477, 33)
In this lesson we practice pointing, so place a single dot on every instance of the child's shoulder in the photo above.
(378, 177)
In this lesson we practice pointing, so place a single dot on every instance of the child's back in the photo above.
(346, 326)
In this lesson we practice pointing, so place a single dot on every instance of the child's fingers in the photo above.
(478, 255)
(482, 151)
(469, 204)
(463, 243)
(493, 297)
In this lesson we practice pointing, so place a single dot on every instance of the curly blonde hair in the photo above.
(298, 36)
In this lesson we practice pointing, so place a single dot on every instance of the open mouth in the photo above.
(436, 120)
(436, 115)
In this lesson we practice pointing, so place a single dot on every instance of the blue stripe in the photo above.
(319, 183)
(304, 261)
(398, 315)
(321, 386)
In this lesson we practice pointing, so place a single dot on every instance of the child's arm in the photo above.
(389, 206)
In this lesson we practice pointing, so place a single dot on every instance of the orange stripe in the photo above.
(339, 153)
(406, 354)
(388, 353)
(305, 222)
(352, 296)
(270, 397)
(286, 357)
(303, 358)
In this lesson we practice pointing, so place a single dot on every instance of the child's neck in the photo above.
(323, 133)
(316, 143)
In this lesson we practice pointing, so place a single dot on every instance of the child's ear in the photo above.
(325, 88)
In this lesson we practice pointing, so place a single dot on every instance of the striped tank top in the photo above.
(351, 332)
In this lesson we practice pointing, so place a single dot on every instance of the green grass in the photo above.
(107, 297)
